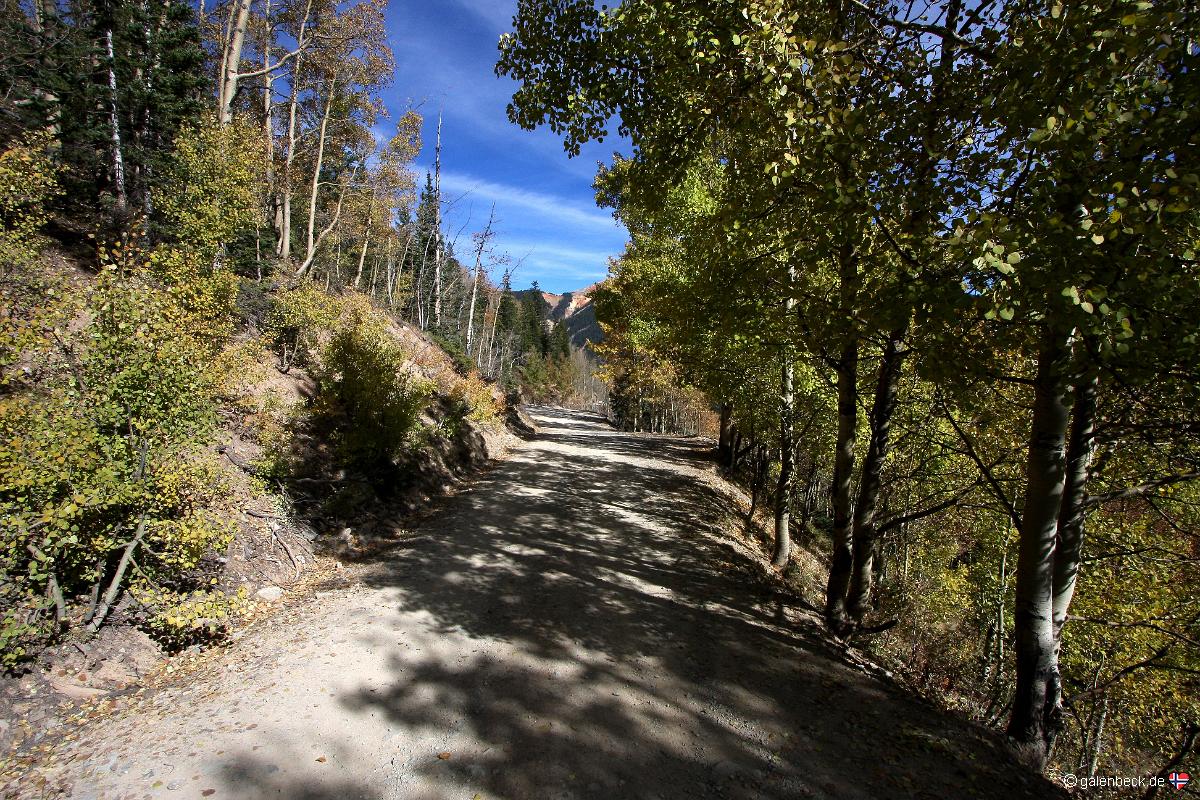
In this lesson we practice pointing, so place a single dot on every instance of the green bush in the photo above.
(107, 448)
(369, 391)
(368, 378)
(178, 620)
(103, 452)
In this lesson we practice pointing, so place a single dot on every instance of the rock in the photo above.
(269, 593)
(74, 690)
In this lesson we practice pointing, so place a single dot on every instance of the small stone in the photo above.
(269, 593)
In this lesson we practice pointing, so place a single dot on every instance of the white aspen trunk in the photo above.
(231, 61)
(362, 254)
(422, 321)
(1036, 717)
(118, 157)
(478, 268)
(491, 368)
(268, 124)
(437, 227)
(395, 270)
(310, 250)
(362, 259)
(284, 246)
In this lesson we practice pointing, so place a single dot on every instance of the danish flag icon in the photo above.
(1178, 779)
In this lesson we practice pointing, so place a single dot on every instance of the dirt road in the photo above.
(576, 625)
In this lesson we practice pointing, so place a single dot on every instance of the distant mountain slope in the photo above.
(575, 310)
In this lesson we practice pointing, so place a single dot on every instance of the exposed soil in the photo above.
(579, 623)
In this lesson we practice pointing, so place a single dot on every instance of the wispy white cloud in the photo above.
(548, 207)
(557, 253)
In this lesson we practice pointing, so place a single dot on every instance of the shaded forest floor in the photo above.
(578, 623)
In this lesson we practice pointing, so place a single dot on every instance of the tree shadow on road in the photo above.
(619, 645)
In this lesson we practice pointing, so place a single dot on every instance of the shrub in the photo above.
(368, 378)
(299, 320)
(104, 455)
(212, 191)
(473, 399)
(29, 303)
(369, 391)
(106, 449)
(178, 621)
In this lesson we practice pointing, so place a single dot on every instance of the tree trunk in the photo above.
(310, 250)
(114, 586)
(843, 467)
(437, 229)
(114, 121)
(284, 245)
(231, 62)
(1097, 738)
(787, 451)
(1080, 448)
(492, 336)
(1035, 718)
(865, 531)
(478, 271)
(725, 437)
(268, 112)
(362, 253)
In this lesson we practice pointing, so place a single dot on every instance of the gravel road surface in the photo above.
(576, 624)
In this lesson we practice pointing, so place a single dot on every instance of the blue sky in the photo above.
(445, 56)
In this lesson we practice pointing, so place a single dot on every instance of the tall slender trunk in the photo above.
(362, 253)
(284, 245)
(725, 437)
(1096, 740)
(333, 223)
(316, 177)
(283, 192)
(865, 532)
(787, 446)
(396, 270)
(471, 312)
(268, 112)
(422, 317)
(231, 62)
(787, 458)
(114, 122)
(492, 337)
(1035, 717)
(843, 468)
(842, 559)
(1080, 448)
(437, 228)
(483, 240)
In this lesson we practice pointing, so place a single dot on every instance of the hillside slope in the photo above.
(581, 623)
(295, 500)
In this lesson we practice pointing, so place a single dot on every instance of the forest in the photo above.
(935, 263)
(928, 269)
(194, 199)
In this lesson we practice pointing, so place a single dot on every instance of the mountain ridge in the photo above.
(575, 310)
